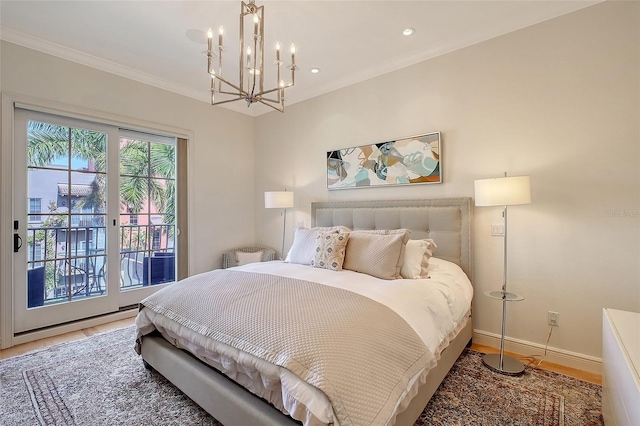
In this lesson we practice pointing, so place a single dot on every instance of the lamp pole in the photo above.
(506, 191)
(284, 231)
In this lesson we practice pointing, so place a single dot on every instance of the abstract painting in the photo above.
(405, 161)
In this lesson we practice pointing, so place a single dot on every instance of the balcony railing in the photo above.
(70, 263)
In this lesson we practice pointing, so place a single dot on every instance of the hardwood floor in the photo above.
(567, 371)
(68, 337)
(43, 343)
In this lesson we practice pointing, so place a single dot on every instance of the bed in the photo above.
(445, 221)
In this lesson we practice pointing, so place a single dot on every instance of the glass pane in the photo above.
(134, 194)
(162, 237)
(163, 194)
(42, 238)
(79, 277)
(133, 238)
(48, 145)
(88, 150)
(35, 208)
(131, 269)
(159, 268)
(40, 284)
(163, 160)
(98, 272)
(50, 186)
(134, 157)
(88, 192)
(132, 219)
(98, 242)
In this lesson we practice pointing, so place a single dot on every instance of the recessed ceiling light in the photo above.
(408, 31)
(197, 36)
(315, 70)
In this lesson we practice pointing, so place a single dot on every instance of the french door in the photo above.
(93, 218)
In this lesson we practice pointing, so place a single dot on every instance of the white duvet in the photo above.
(436, 308)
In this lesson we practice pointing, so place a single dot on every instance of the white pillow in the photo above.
(416, 258)
(303, 248)
(243, 258)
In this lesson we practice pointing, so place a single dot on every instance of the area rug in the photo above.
(471, 394)
(100, 380)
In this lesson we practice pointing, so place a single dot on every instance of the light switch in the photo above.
(497, 229)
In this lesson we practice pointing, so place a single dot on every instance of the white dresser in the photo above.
(620, 368)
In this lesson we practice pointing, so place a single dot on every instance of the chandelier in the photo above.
(250, 86)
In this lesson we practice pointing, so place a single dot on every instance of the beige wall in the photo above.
(559, 102)
(220, 191)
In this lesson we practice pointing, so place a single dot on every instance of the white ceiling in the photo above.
(350, 41)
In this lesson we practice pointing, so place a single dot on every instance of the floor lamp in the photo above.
(279, 200)
(506, 191)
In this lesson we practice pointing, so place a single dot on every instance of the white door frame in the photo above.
(7, 106)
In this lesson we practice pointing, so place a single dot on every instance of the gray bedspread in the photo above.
(360, 353)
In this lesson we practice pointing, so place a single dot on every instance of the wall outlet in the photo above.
(554, 318)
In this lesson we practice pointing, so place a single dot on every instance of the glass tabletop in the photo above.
(499, 294)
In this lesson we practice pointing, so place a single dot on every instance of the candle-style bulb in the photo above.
(220, 31)
(278, 46)
(209, 34)
(281, 83)
(293, 49)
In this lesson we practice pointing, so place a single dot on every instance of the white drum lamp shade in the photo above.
(278, 200)
(504, 191)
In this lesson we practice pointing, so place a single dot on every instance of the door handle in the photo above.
(17, 243)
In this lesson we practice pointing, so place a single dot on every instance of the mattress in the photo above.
(435, 308)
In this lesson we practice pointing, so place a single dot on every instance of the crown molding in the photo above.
(82, 58)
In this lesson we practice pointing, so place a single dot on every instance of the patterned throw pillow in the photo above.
(304, 243)
(330, 250)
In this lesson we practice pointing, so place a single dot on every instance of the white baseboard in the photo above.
(554, 355)
(74, 326)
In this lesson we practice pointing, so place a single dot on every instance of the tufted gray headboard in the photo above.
(447, 221)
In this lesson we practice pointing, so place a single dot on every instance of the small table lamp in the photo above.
(506, 191)
(279, 200)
